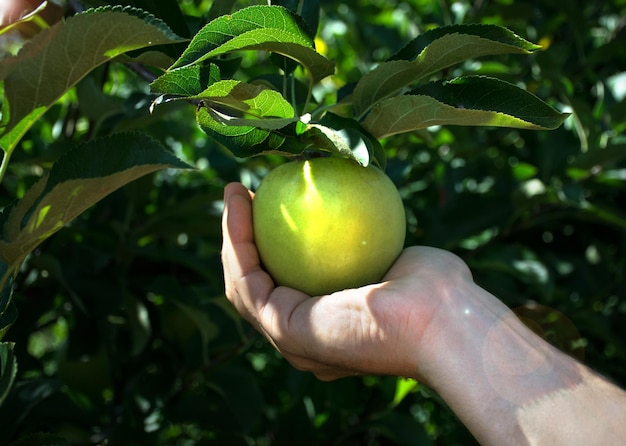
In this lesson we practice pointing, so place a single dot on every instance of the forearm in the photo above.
(509, 386)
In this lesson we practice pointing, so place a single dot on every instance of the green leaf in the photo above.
(347, 137)
(8, 369)
(82, 177)
(187, 81)
(245, 140)
(254, 100)
(57, 58)
(261, 38)
(262, 108)
(432, 52)
(404, 386)
(471, 101)
(498, 35)
(222, 29)
(267, 28)
(286, 44)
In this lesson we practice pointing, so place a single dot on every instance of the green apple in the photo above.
(327, 224)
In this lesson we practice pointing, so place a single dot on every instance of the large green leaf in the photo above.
(79, 179)
(224, 28)
(432, 52)
(57, 58)
(470, 100)
(268, 28)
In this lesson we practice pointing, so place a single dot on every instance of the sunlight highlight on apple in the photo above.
(327, 224)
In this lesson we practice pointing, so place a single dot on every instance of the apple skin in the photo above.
(327, 224)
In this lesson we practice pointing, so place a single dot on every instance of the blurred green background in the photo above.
(124, 335)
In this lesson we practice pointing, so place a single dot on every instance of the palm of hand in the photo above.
(363, 330)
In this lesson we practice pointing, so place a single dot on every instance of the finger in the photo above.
(320, 331)
(238, 238)
(247, 285)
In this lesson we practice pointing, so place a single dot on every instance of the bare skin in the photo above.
(427, 320)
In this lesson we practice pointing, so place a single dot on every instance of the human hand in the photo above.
(388, 328)
(427, 320)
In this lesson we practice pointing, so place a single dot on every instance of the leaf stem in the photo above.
(285, 80)
(5, 164)
(309, 94)
(292, 84)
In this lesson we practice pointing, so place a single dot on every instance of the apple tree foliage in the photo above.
(501, 123)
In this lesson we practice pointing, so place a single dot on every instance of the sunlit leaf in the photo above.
(430, 53)
(496, 37)
(470, 101)
(267, 28)
(222, 29)
(254, 100)
(58, 57)
(404, 386)
(79, 179)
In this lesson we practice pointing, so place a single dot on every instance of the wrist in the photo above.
(488, 364)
